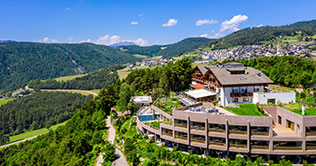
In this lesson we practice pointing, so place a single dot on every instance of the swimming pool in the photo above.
(144, 118)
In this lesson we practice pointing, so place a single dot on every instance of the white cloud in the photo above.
(70, 38)
(205, 21)
(48, 40)
(214, 36)
(260, 25)
(68, 9)
(171, 22)
(109, 40)
(134, 23)
(233, 23)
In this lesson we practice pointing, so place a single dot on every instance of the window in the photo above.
(235, 90)
(245, 99)
(235, 100)
(271, 101)
(279, 119)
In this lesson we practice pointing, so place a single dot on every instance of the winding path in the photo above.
(121, 159)
(70, 90)
(12, 143)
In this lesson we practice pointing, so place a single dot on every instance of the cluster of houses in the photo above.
(254, 51)
(150, 62)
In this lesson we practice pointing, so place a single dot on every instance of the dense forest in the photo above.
(95, 80)
(39, 110)
(21, 62)
(286, 70)
(169, 50)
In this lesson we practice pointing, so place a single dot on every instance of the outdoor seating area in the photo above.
(206, 111)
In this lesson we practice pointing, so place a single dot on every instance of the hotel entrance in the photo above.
(290, 124)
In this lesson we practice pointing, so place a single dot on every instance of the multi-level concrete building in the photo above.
(280, 132)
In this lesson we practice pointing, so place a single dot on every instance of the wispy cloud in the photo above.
(47, 40)
(205, 21)
(109, 40)
(68, 9)
(233, 23)
(260, 25)
(134, 23)
(171, 22)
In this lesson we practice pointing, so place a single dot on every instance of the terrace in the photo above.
(217, 141)
(245, 110)
(297, 108)
(168, 104)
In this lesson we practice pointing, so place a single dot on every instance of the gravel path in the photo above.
(121, 159)
(26, 139)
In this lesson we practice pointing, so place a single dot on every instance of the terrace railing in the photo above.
(313, 147)
(311, 133)
(287, 148)
(198, 140)
(238, 145)
(217, 143)
(266, 147)
(238, 132)
(184, 125)
(260, 133)
(167, 134)
(181, 137)
(198, 128)
(216, 129)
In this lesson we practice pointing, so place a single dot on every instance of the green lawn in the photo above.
(131, 131)
(68, 78)
(297, 108)
(245, 110)
(33, 133)
(168, 104)
(4, 101)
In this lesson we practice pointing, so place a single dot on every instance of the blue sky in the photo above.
(144, 22)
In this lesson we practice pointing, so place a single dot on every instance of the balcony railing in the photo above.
(241, 94)
(167, 134)
(260, 133)
(198, 128)
(238, 132)
(287, 148)
(238, 145)
(198, 140)
(217, 143)
(311, 147)
(216, 129)
(311, 133)
(266, 147)
(181, 137)
(184, 125)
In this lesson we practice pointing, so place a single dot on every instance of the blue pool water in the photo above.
(144, 118)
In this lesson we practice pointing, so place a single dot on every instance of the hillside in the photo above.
(94, 80)
(251, 36)
(169, 50)
(21, 62)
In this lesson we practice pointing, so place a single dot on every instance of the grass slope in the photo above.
(68, 78)
(33, 133)
(245, 110)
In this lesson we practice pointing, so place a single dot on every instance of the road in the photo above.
(26, 139)
(121, 159)
(70, 90)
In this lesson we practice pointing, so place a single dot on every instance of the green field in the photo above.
(124, 72)
(245, 110)
(68, 78)
(140, 56)
(33, 133)
(4, 101)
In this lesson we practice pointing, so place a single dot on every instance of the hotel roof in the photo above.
(200, 93)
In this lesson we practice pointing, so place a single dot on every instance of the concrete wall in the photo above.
(283, 97)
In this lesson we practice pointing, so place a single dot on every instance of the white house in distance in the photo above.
(234, 83)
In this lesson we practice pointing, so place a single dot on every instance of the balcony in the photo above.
(242, 130)
(217, 141)
(260, 131)
(310, 145)
(183, 125)
(198, 139)
(220, 128)
(182, 136)
(238, 143)
(198, 126)
(167, 132)
(260, 147)
(287, 145)
(241, 94)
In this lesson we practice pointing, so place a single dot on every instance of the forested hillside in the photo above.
(21, 62)
(286, 70)
(169, 50)
(250, 36)
(95, 80)
(39, 110)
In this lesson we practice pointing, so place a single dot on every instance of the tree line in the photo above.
(95, 80)
(39, 110)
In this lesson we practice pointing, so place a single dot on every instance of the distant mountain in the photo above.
(7, 41)
(169, 50)
(21, 62)
(250, 36)
(124, 43)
